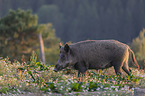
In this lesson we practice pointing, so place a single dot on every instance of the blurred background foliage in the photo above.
(51, 44)
(76, 20)
(69, 20)
(19, 36)
(18, 31)
(138, 46)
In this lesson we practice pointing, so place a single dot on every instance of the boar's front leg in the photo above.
(81, 68)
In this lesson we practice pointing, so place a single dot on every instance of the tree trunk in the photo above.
(41, 48)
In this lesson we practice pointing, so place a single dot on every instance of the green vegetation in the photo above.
(32, 76)
(138, 46)
(51, 44)
(18, 32)
(72, 20)
(19, 37)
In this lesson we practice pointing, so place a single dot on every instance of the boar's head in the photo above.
(65, 58)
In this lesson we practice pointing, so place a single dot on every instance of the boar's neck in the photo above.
(73, 51)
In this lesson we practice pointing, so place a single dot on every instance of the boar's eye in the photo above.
(56, 66)
(62, 56)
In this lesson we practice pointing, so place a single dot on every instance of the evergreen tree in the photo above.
(18, 34)
(19, 37)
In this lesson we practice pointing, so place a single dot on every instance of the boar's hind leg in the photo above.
(126, 68)
(117, 67)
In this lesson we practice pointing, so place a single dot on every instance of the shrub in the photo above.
(138, 46)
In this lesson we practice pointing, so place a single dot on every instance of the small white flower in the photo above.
(106, 88)
(126, 87)
(70, 93)
(0, 77)
(108, 94)
(122, 89)
(87, 88)
(61, 81)
(117, 86)
(112, 86)
(50, 93)
(98, 89)
(75, 81)
(61, 87)
(113, 95)
(69, 88)
(109, 88)
(49, 89)
(83, 90)
(68, 83)
(141, 76)
(138, 73)
(116, 89)
(18, 90)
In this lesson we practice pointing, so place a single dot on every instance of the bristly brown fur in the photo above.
(96, 54)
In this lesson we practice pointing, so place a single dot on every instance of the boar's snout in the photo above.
(57, 68)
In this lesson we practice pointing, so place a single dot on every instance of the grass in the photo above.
(34, 77)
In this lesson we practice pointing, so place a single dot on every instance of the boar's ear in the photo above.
(66, 47)
(60, 45)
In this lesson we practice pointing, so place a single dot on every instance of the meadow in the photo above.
(34, 77)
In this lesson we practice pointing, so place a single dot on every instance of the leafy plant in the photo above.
(138, 45)
(4, 90)
(34, 76)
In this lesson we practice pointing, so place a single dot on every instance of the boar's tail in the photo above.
(133, 58)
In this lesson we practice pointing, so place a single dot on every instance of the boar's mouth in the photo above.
(59, 68)
(55, 70)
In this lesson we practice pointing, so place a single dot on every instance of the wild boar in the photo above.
(95, 54)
